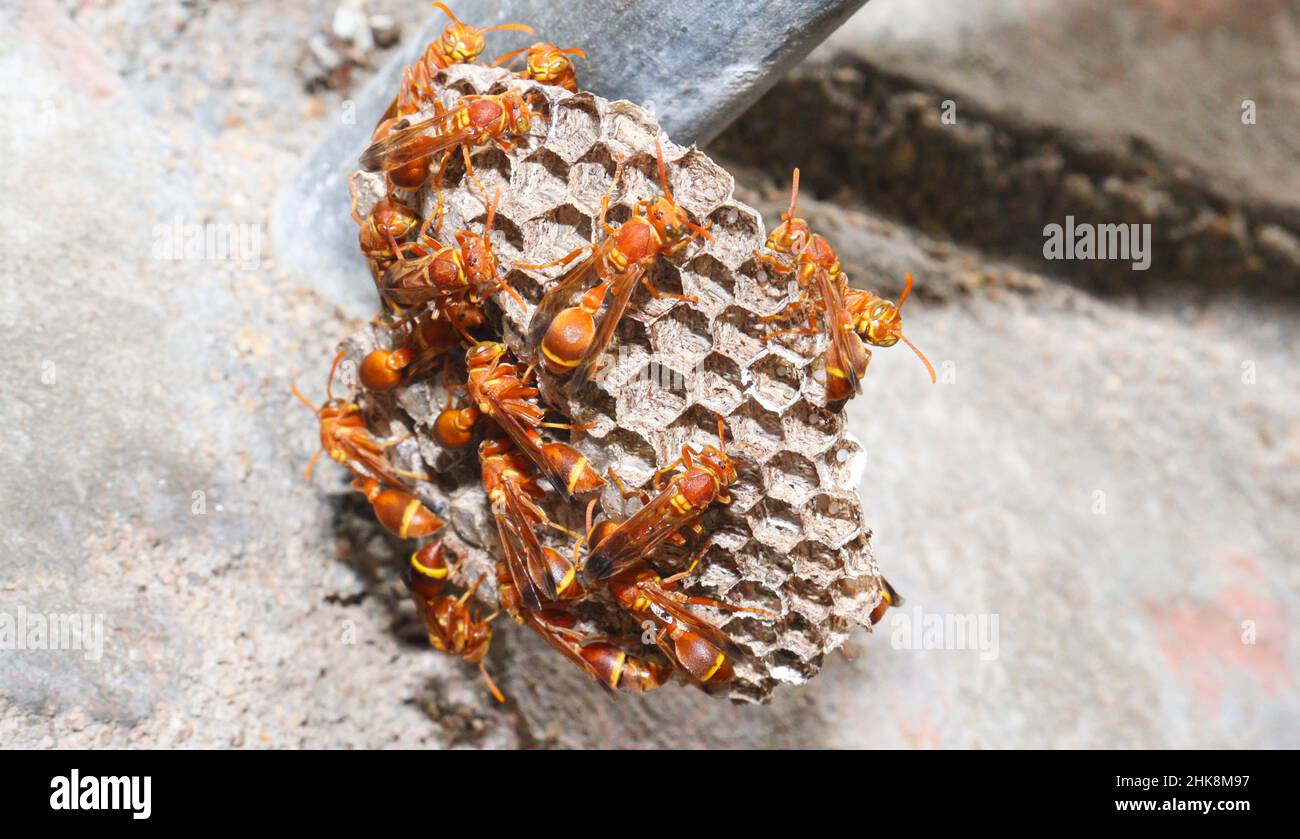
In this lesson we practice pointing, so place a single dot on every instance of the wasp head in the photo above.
(881, 324)
(484, 354)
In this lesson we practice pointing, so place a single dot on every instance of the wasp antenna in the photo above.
(517, 27)
(794, 196)
(491, 212)
(591, 507)
(663, 174)
(302, 398)
(907, 289)
(454, 19)
(504, 58)
(722, 438)
(928, 366)
(574, 51)
(329, 383)
(492, 686)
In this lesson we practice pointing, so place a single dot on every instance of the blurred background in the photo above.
(1105, 480)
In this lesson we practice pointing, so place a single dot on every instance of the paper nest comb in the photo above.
(793, 540)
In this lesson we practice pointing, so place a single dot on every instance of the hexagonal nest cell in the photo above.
(793, 540)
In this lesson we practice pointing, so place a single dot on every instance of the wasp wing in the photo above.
(853, 358)
(537, 572)
(623, 286)
(643, 532)
(558, 299)
(413, 143)
(662, 601)
(527, 442)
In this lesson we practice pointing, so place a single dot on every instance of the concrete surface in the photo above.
(270, 614)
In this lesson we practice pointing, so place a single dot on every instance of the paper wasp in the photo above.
(505, 396)
(343, 433)
(400, 512)
(568, 335)
(513, 492)
(439, 272)
(609, 665)
(449, 621)
(888, 598)
(475, 121)
(388, 223)
(432, 335)
(852, 317)
(347, 440)
(679, 504)
(547, 64)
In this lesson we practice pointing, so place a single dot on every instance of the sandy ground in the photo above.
(1115, 483)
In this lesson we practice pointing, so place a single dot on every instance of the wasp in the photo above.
(853, 318)
(695, 647)
(547, 64)
(501, 393)
(432, 334)
(450, 621)
(389, 222)
(609, 665)
(347, 439)
(568, 336)
(513, 492)
(400, 512)
(680, 503)
(454, 427)
(476, 121)
(435, 272)
(880, 322)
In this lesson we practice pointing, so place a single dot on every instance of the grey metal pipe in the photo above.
(697, 65)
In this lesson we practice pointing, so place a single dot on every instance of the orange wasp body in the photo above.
(501, 393)
(607, 664)
(347, 440)
(694, 646)
(547, 64)
(852, 316)
(568, 335)
(344, 435)
(449, 621)
(432, 335)
(680, 503)
(697, 648)
(388, 223)
(466, 270)
(400, 512)
(513, 492)
(888, 598)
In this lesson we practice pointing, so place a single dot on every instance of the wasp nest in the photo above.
(793, 540)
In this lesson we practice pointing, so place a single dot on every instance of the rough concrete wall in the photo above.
(275, 617)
